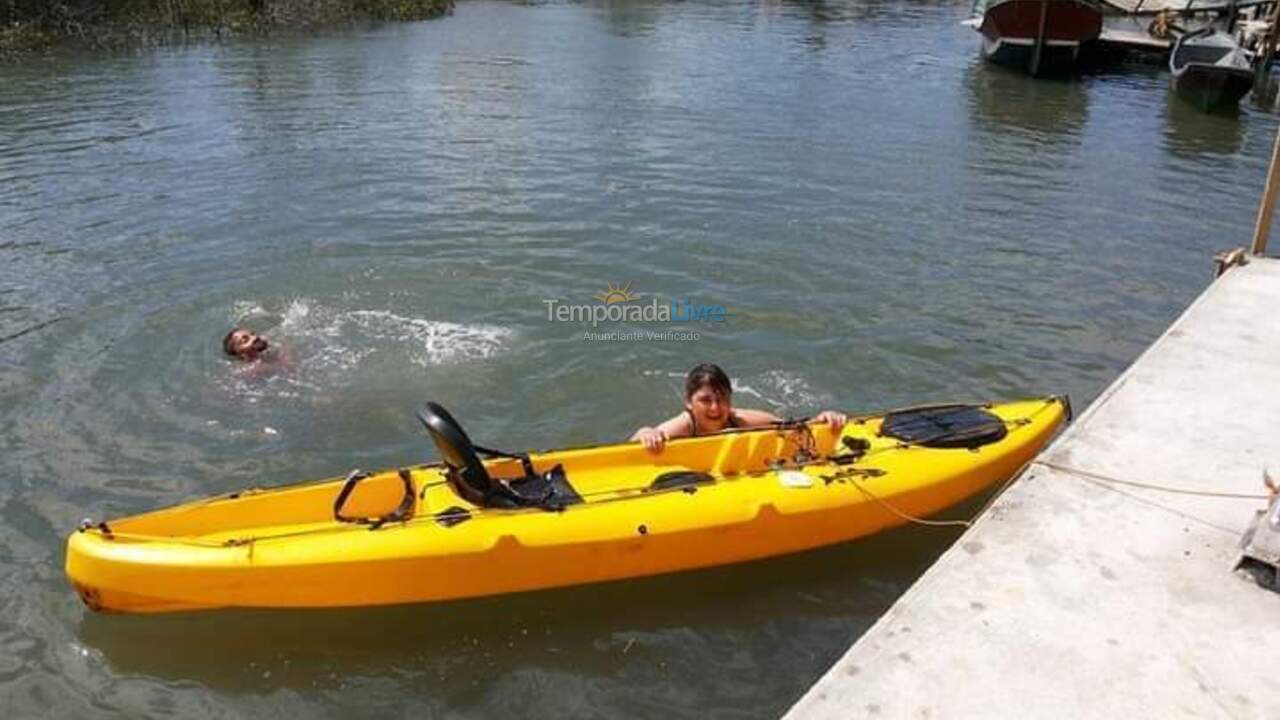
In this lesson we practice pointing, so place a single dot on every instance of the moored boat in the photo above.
(1040, 36)
(466, 527)
(1210, 70)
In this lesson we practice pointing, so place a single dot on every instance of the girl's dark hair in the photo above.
(710, 375)
(226, 342)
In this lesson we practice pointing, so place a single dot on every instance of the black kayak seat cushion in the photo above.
(466, 472)
(945, 426)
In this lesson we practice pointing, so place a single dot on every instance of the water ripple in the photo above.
(887, 219)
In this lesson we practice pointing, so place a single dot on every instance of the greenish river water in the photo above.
(885, 219)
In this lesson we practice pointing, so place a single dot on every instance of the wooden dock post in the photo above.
(1035, 53)
(1262, 229)
(1268, 53)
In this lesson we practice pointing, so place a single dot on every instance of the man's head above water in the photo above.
(243, 344)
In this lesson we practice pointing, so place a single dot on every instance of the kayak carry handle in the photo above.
(400, 514)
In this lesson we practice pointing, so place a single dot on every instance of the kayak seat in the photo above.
(470, 479)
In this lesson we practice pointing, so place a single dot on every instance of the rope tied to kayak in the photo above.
(943, 523)
(1096, 477)
(1011, 424)
(907, 516)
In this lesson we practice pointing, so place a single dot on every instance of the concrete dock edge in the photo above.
(1101, 583)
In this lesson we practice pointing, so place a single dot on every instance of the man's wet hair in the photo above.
(709, 375)
(226, 342)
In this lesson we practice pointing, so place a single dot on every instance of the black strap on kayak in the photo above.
(400, 514)
(525, 462)
(504, 491)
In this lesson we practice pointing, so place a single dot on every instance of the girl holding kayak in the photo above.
(708, 408)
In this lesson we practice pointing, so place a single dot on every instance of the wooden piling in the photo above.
(1263, 64)
(1262, 228)
(1039, 48)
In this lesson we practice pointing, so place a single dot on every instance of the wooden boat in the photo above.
(1210, 70)
(466, 527)
(1040, 36)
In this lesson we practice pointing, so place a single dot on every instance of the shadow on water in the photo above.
(629, 19)
(456, 649)
(1034, 108)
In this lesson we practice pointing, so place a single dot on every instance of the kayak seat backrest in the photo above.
(465, 471)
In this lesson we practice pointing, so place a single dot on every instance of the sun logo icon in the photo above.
(615, 294)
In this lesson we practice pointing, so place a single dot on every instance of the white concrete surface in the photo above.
(1075, 597)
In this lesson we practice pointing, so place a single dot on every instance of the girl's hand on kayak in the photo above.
(653, 438)
(834, 418)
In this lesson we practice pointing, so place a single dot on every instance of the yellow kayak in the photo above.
(467, 526)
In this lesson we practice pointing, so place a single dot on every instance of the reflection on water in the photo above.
(1191, 131)
(566, 642)
(629, 19)
(1048, 109)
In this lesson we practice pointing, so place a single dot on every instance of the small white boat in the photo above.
(1210, 69)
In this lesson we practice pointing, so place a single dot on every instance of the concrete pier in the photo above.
(1084, 592)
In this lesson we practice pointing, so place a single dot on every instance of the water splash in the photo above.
(782, 390)
(432, 342)
(318, 346)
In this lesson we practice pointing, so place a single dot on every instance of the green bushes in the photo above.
(26, 24)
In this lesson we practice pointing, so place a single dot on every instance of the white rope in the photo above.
(1151, 486)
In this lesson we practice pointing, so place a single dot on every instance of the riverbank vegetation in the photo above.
(32, 24)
